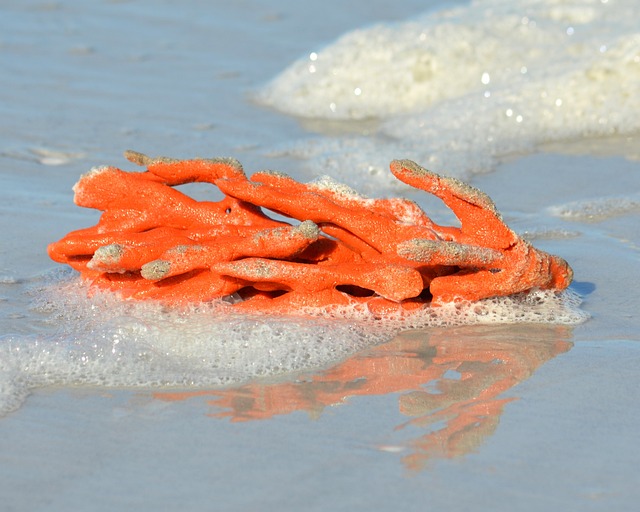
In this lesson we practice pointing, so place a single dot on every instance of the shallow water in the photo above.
(322, 415)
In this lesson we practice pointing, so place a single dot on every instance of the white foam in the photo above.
(538, 306)
(104, 341)
(456, 90)
(325, 182)
(597, 209)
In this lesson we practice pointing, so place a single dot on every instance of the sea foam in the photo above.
(457, 90)
(97, 339)
(598, 209)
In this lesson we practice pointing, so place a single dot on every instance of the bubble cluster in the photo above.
(457, 89)
(597, 209)
(100, 340)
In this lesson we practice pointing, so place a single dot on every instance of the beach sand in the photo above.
(522, 417)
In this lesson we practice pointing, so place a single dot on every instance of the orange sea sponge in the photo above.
(155, 242)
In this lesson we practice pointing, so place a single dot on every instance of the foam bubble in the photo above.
(537, 306)
(598, 209)
(457, 89)
(325, 182)
(100, 340)
(549, 234)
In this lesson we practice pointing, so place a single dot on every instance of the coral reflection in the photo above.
(450, 384)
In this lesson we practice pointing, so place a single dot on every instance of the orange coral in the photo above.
(153, 241)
